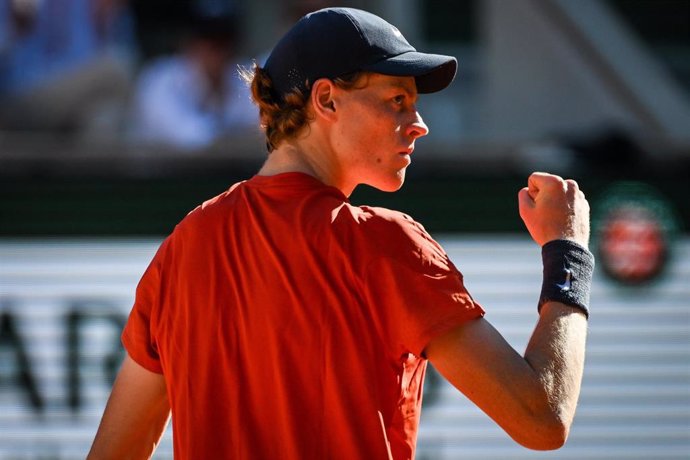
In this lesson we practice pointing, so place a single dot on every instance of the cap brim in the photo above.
(432, 72)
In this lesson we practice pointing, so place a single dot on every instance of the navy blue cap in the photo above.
(333, 42)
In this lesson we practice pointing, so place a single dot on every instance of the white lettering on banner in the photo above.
(77, 339)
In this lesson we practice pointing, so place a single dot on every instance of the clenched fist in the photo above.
(553, 208)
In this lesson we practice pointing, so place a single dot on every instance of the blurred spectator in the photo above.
(190, 99)
(63, 64)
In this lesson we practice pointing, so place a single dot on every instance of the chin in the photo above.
(391, 185)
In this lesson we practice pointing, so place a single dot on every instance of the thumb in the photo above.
(525, 200)
(528, 195)
(533, 185)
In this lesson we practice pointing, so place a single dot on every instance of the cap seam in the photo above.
(356, 26)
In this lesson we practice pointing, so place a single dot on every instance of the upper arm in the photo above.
(477, 360)
(135, 417)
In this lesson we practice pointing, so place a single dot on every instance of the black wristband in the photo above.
(568, 269)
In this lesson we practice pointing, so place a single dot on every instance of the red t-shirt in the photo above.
(289, 324)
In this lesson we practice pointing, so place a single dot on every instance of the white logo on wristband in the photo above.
(566, 284)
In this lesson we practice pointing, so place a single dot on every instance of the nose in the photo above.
(417, 128)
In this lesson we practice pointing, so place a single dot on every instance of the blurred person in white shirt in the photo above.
(190, 99)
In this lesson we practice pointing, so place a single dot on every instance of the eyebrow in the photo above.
(410, 90)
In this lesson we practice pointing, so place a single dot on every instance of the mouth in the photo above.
(407, 152)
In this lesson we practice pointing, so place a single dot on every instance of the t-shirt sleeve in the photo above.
(410, 277)
(138, 336)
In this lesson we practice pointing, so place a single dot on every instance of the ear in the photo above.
(322, 98)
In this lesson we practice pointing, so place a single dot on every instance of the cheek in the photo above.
(367, 135)
(376, 137)
(363, 138)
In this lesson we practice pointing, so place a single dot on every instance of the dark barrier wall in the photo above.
(125, 206)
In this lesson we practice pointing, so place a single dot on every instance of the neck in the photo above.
(308, 159)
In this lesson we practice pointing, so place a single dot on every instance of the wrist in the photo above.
(567, 274)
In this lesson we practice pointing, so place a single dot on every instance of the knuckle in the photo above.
(551, 181)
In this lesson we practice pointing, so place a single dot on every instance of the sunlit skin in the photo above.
(360, 135)
(377, 131)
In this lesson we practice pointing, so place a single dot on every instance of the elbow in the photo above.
(551, 439)
(548, 431)
(545, 434)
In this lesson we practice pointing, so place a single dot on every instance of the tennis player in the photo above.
(279, 321)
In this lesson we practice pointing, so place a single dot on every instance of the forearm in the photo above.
(516, 391)
(556, 353)
(533, 397)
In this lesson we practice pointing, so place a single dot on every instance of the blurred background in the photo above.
(117, 117)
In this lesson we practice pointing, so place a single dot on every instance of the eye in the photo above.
(399, 99)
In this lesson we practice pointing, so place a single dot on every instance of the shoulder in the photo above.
(373, 216)
(393, 234)
(389, 223)
(209, 213)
